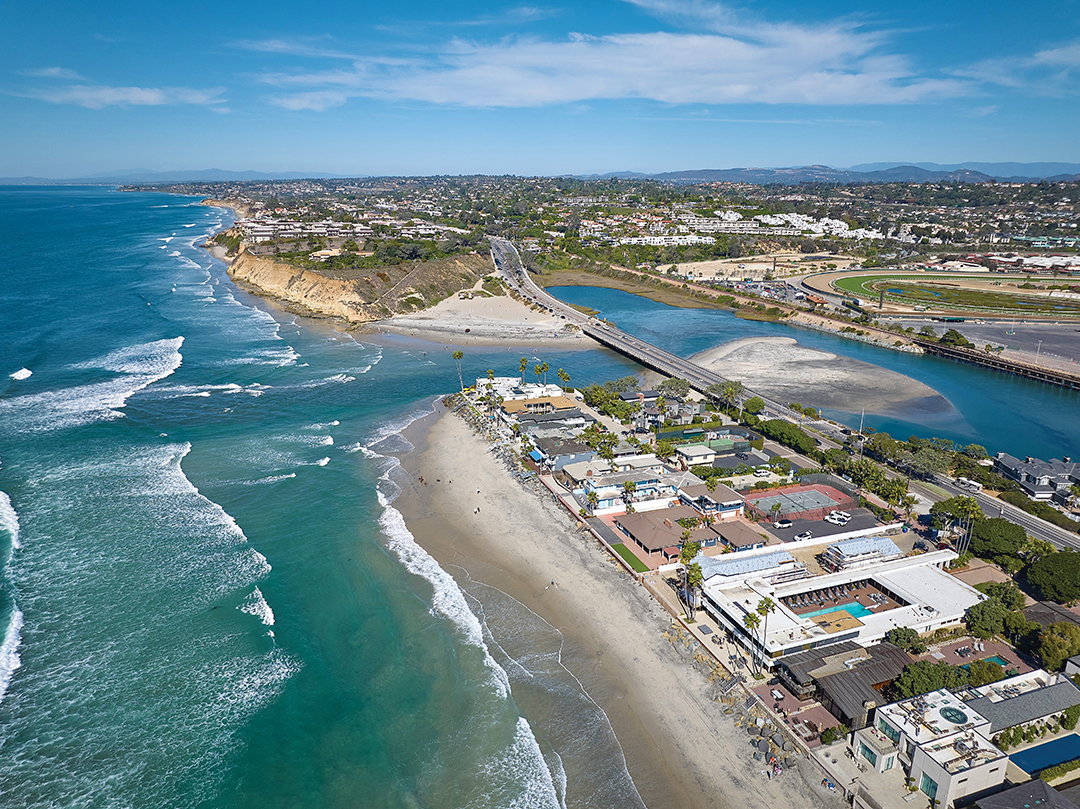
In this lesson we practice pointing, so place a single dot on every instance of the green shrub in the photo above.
(1050, 773)
(830, 735)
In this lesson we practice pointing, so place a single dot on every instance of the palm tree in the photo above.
(732, 392)
(752, 621)
(694, 577)
(687, 554)
(544, 368)
(593, 499)
(764, 608)
(523, 365)
(458, 355)
(537, 370)
(564, 378)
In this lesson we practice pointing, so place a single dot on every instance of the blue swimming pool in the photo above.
(856, 610)
(1046, 755)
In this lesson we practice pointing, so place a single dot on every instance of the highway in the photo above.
(992, 507)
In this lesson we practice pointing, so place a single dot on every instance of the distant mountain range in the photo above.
(865, 172)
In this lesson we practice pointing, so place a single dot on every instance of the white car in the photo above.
(762, 473)
(803, 535)
(782, 524)
(843, 514)
(836, 519)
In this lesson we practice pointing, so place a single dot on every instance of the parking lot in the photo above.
(861, 520)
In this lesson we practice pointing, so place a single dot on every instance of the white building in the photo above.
(860, 603)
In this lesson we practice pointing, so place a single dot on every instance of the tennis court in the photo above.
(799, 502)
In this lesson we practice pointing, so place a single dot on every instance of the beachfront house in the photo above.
(941, 743)
(657, 535)
(556, 453)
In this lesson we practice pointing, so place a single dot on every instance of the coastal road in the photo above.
(992, 507)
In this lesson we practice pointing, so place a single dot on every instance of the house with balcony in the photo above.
(1040, 480)
(721, 503)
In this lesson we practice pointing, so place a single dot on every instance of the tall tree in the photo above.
(752, 621)
(458, 355)
(523, 365)
(765, 608)
(564, 378)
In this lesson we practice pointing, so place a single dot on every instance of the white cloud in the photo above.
(97, 96)
(1051, 71)
(786, 64)
(53, 73)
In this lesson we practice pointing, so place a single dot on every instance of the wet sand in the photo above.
(679, 749)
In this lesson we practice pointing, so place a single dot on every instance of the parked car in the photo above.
(782, 524)
(803, 535)
(762, 473)
(836, 519)
(742, 456)
(843, 514)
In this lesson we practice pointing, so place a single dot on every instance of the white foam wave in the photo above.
(9, 519)
(323, 426)
(202, 393)
(141, 365)
(9, 652)
(322, 462)
(22, 373)
(521, 764)
(339, 379)
(255, 604)
(368, 453)
(447, 599)
(269, 479)
(395, 426)
(175, 254)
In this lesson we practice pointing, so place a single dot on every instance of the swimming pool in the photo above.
(1046, 755)
(855, 610)
(1001, 661)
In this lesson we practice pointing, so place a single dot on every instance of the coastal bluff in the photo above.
(360, 296)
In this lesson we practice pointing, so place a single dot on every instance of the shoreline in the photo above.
(679, 748)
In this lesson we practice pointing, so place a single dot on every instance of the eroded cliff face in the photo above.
(360, 296)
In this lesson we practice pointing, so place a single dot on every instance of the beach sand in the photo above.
(679, 748)
(782, 369)
(491, 321)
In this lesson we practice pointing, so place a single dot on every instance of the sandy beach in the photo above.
(679, 748)
(489, 320)
(782, 369)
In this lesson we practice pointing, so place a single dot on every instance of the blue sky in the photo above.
(593, 86)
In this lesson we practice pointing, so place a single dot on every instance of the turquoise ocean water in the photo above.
(207, 598)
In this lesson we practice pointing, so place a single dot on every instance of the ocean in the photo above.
(206, 596)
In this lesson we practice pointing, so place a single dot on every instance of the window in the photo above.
(910, 750)
(889, 731)
(928, 786)
(868, 754)
(888, 763)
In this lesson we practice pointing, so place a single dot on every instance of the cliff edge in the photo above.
(360, 296)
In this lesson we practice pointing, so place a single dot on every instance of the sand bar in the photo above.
(499, 320)
(679, 748)
(782, 369)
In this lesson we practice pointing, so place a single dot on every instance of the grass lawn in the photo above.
(636, 564)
